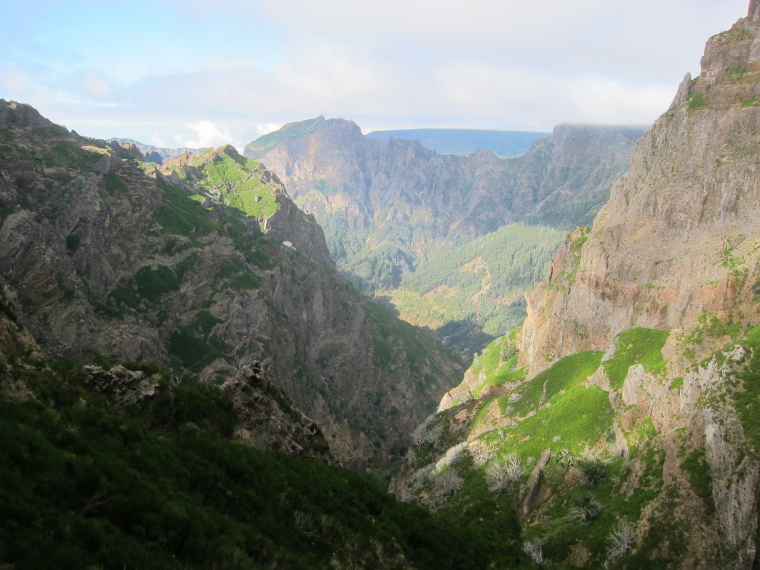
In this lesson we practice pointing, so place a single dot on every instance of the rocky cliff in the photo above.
(207, 267)
(621, 420)
(679, 234)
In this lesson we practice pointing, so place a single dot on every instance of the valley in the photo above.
(344, 351)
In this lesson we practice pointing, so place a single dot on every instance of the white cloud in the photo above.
(265, 129)
(400, 63)
(207, 135)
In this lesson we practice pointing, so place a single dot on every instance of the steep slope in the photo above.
(680, 233)
(621, 420)
(384, 205)
(129, 467)
(207, 268)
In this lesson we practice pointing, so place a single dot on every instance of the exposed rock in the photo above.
(534, 493)
(391, 202)
(679, 234)
(186, 269)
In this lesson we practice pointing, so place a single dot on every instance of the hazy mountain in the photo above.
(465, 141)
(159, 155)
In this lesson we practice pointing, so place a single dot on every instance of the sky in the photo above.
(196, 73)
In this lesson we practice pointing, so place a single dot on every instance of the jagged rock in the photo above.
(401, 195)
(535, 493)
(677, 228)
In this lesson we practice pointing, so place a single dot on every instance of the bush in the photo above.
(594, 470)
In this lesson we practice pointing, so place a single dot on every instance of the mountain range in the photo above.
(184, 368)
(620, 419)
(391, 209)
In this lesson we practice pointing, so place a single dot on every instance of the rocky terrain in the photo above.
(205, 267)
(159, 155)
(621, 419)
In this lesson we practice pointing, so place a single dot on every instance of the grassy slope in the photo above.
(560, 410)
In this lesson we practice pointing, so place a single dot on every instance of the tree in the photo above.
(622, 539)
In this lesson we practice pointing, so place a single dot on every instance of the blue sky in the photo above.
(196, 73)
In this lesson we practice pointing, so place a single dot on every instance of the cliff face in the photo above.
(621, 421)
(389, 203)
(207, 267)
(679, 235)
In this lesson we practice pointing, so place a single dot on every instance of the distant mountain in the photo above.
(389, 208)
(157, 154)
(466, 141)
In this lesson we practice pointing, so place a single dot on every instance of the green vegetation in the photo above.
(700, 477)
(748, 398)
(180, 214)
(479, 282)
(83, 487)
(72, 242)
(148, 285)
(636, 346)
(69, 154)
(395, 340)
(114, 183)
(194, 350)
(696, 101)
(734, 73)
(237, 179)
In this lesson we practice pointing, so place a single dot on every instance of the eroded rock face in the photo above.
(208, 267)
(679, 234)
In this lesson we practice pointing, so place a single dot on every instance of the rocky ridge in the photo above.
(679, 235)
(207, 268)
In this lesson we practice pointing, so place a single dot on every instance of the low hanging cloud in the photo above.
(397, 64)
